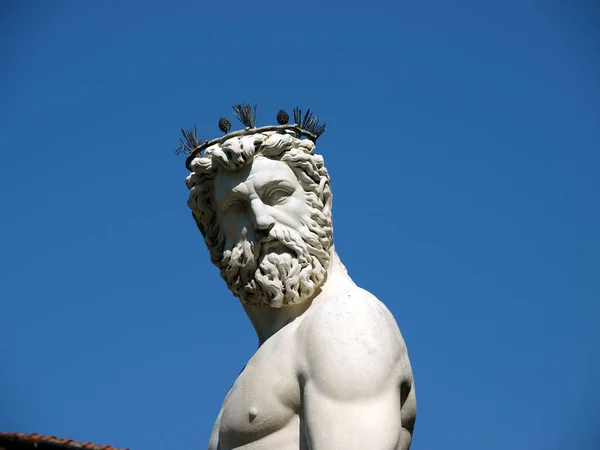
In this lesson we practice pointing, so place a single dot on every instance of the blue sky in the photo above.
(463, 144)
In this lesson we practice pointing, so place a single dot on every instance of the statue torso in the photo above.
(261, 408)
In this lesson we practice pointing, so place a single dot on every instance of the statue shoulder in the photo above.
(351, 345)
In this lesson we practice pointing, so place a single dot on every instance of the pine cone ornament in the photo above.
(224, 124)
(282, 117)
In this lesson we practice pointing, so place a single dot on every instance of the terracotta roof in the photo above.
(51, 441)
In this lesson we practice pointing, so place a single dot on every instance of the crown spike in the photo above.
(190, 141)
(246, 114)
(308, 122)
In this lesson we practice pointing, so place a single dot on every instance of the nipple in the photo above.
(252, 412)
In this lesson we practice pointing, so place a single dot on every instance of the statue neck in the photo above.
(267, 321)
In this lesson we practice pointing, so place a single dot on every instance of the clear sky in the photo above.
(463, 144)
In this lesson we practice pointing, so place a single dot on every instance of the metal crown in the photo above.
(305, 125)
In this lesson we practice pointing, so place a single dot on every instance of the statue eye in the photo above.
(278, 194)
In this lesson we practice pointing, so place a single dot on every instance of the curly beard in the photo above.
(283, 269)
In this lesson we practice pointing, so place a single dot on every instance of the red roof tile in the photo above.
(65, 443)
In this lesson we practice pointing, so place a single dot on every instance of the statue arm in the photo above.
(213, 443)
(368, 423)
(357, 384)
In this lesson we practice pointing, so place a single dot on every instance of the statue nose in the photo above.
(262, 218)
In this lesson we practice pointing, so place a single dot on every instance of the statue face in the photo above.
(254, 199)
(272, 248)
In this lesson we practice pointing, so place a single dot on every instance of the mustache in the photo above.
(248, 250)
(279, 236)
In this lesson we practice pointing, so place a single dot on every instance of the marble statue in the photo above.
(331, 371)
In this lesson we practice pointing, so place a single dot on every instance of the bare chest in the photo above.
(265, 398)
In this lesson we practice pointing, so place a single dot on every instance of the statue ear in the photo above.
(326, 198)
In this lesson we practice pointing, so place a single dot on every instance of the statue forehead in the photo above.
(260, 172)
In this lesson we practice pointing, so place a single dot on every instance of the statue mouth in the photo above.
(273, 245)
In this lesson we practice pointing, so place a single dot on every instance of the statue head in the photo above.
(262, 202)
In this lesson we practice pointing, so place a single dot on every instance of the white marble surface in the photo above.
(332, 370)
